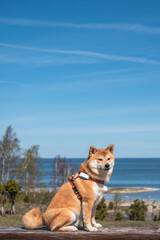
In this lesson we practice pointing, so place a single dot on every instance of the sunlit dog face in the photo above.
(101, 161)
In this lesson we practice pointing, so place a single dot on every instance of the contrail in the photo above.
(84, 53)
(97, 26)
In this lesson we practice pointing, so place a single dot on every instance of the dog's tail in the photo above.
(33, 219)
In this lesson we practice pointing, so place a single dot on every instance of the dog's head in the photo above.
(100, 162)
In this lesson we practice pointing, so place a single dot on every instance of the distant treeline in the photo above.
(23, 169)
(17, 164)
(25, 166)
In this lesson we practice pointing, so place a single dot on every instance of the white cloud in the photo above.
(97, 26)
(83, 53)
(42, 61)
(90, 130)
(92, 74)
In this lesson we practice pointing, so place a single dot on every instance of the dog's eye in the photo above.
(100, 159)
(109, 158)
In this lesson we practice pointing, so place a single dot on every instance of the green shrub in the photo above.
(46, 198)
(119, 216)
(12, 189)
(110, 206)
(26, 199)
(137, 211)
(155, 218)
(39, 198)
(101, 211)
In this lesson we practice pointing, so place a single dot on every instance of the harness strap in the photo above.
(75, 188)
(84, 177)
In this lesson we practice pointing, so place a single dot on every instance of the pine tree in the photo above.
(137, 211)
(119, 216)
(110, 206)
(155, 218)
(101, 211)
(12, 189)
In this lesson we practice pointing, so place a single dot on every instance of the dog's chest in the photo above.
(99, 191)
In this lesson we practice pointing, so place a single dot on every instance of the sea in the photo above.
(128, 172)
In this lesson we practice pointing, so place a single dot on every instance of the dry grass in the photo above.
(128, 223)
(16, 220)
(43, 199)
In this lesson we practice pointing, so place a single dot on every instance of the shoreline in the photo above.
(124, 190)
(148, 203)
(127, 190)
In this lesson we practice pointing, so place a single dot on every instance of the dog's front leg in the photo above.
(87, 214)
(93, 220)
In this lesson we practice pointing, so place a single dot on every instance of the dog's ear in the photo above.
(110, 148)
(92, 150)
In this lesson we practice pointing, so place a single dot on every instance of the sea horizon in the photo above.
(128, 172)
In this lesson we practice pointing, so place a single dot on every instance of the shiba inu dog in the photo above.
(68, 206)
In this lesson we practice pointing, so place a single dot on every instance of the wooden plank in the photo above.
(16, 233)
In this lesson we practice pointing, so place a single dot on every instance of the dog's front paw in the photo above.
(92, 229)
(73, 229)
(97, 225)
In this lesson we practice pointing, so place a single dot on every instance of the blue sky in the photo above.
(81, 73)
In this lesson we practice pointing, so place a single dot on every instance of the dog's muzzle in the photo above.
(107, 166)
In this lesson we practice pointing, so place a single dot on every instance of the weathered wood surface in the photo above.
(105, 233)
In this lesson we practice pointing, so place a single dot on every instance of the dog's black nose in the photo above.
(107, 165)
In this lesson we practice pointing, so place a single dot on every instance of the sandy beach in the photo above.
(131, 190)
(127, 203)
(110, 190)
(153, 207)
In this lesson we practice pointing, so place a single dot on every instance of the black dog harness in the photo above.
(83, 176)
